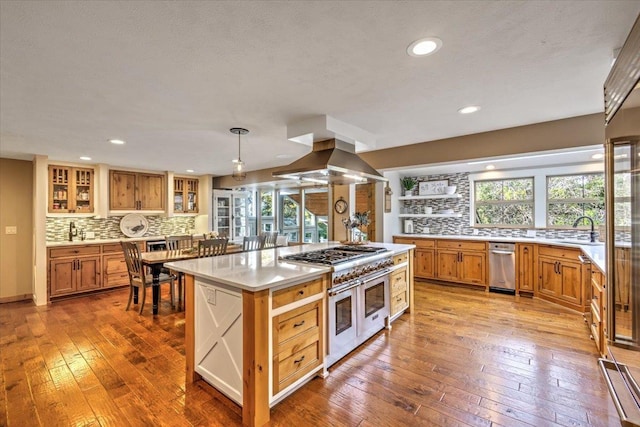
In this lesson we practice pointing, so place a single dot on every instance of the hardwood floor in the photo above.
(464, 357)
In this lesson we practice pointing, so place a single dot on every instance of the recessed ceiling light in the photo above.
(424, 47)
(116, 141)
(490, 167)
(190, 170)
(85, 158)
(598, 156)
(468, 110)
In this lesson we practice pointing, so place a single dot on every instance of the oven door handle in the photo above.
(380, 274)
(343, 290)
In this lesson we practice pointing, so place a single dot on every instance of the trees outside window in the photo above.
(572, 196)
(504, 202)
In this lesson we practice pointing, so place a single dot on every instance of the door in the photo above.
(524, 261)
(150, 192)
(342, 333)
(472, 267)
(87, 273)
(447, 265)
(571, 281)
(122, 190)
(62, 276)
(550, 280)
(425, 263)
(239, 216)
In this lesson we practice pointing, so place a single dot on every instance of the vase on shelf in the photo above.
(408, 193)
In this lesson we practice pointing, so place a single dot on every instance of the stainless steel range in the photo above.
(358, 299)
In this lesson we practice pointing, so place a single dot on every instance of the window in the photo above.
(504, 202)
(622, 199)
(573, 196)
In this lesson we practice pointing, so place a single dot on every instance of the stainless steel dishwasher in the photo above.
(502, 267)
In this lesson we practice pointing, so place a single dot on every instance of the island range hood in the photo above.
(332, 159)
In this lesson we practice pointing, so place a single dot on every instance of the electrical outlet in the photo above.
(11, 229)
(90, 235)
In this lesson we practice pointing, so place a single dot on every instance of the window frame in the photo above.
(530, 202)
(549, 201)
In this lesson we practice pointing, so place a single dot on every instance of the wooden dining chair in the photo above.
(270, 239)
(138, 276)
(212, 247)
(176, 243)
(252, 243)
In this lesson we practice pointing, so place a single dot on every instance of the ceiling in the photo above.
(171, 78)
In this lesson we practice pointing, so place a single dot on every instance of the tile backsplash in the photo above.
(461, 226)
(109, 228)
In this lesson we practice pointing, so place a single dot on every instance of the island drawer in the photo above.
(290, 369)
(400, 258)
(557, 252)
(296, 322)
(459, 244)
(398, 281)
(296, 293)
(72, 251)
(398, 302)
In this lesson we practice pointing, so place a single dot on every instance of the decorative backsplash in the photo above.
(460, 226)
(109, 228)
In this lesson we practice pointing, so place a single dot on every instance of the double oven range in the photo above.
(358, 299)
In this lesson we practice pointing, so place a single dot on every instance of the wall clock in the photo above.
(341, 206)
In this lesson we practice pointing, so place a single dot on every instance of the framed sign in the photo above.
(427, 188)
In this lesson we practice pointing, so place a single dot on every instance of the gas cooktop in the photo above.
(336, 255)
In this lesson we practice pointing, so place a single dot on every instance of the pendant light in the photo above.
(238, 165)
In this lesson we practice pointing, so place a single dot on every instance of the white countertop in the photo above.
(259, 270)
(77, 241)
(595, 253)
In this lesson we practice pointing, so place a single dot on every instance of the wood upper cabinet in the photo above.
(524, 267)
(185, 195)
(136, 191)
(560, 277)
(70, 189)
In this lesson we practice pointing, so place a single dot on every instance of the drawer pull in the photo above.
(398, 299)
(300, 292)
(299, 360)
(76, 251)
(297, 325)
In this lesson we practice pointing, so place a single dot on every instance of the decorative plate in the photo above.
(134, 225)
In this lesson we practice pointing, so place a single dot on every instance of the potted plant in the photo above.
(408, 183)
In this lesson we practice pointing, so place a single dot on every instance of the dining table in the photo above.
(156, 259)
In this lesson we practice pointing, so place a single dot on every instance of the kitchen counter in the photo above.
(258, 270)
(77, 241)
(595, 253)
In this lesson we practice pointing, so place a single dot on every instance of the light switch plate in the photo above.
(11, 229)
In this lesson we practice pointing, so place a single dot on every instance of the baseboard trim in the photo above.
(16, 298)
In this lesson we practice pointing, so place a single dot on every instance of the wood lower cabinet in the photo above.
(297, 334)
(462, 262)
(399, 291)
(560, 277)
(136, 191)
(525, 278)
(597, 318)
(76, 269)
(424, 256)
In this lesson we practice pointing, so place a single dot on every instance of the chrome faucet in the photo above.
(592, 234)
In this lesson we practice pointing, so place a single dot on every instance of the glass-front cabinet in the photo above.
(185, 195)
(230, 214)
(70, 189)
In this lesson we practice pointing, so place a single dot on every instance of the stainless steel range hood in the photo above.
(331, 161)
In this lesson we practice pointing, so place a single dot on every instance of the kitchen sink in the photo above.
(578, 242)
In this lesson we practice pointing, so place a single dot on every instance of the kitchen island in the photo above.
(255, 325)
